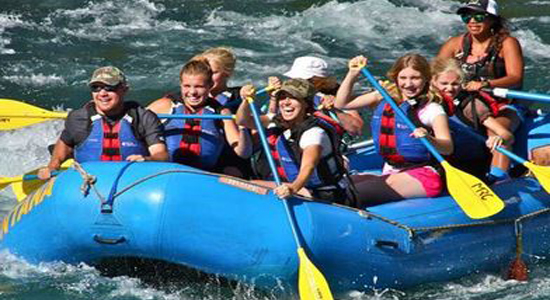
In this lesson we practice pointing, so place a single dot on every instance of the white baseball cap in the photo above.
(306, 67)
(486, 6)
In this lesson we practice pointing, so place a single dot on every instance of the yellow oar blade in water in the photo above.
(5, 181)
(16, 114)
(475, 198)
(542, 173)
(22, 188)
(311, 282)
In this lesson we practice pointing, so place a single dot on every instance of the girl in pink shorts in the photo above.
(409, 170)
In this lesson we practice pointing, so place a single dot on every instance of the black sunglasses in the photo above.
(478, 18)
(96, 88)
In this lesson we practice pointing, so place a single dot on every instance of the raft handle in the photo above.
(107, 241)
(383, 244)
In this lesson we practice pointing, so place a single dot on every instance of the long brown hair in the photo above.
(326, 85)
(418, 63)
(500, 29)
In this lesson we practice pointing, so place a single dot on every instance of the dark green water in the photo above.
(49, 48)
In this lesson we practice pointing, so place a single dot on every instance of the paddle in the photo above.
(506, 93)
(25, 184)
(5, 181)
(311, 282)
(473, 196)
(542, 173)
(16, 114)
(30, 183)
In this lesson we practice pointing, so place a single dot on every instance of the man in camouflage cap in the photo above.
(108, 75)
(108, 128)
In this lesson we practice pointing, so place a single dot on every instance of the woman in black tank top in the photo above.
(490, 57)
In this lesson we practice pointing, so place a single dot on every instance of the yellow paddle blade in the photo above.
(5, 181)
(542, 173)
(23, 188)
(16, 114)
(475, 198)
(312, 285)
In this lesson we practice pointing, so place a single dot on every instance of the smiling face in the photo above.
(410, 82)
(194, 90)
(448, 83)
(477, 27)
(291, 109)
(219, 77)
(108, 100)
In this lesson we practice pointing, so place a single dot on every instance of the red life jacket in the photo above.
(337, 127)
(393, 139)
(272, 138)
(189, 144)
(111, 142)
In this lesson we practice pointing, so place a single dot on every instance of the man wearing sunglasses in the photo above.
(490, 57)
(108, 128)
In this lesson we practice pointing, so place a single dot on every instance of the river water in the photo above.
(49, 48)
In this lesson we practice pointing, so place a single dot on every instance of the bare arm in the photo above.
(161, 106)
(502, 135)
(351, 121)
(343, 95)
(238, 140)
(60, 153)
(442, 136)
(244, 114)
(310, 158)
(157, 152)
(513, 60)
(450, 48)
(441, 139)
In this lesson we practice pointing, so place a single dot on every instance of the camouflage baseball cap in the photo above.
(299, 88)
(108, 75)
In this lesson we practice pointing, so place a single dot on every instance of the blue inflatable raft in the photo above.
(230, 227)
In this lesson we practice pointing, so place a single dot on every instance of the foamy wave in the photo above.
(532, 45)
(110, 19)
(36, 80)
(8, 21)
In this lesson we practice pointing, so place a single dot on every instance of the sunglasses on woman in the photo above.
(478, 18)
(96, 88)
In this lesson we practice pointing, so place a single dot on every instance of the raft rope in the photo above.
(107, 206)
(413, 231)
(89, 180)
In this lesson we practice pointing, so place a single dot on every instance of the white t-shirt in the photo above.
(314, 136)
(429, 112)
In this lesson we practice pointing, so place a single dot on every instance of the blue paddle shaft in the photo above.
(265, 145)
(400, 113)
(506, 93)
(35, 177)
(264, 142)
(186, 116)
